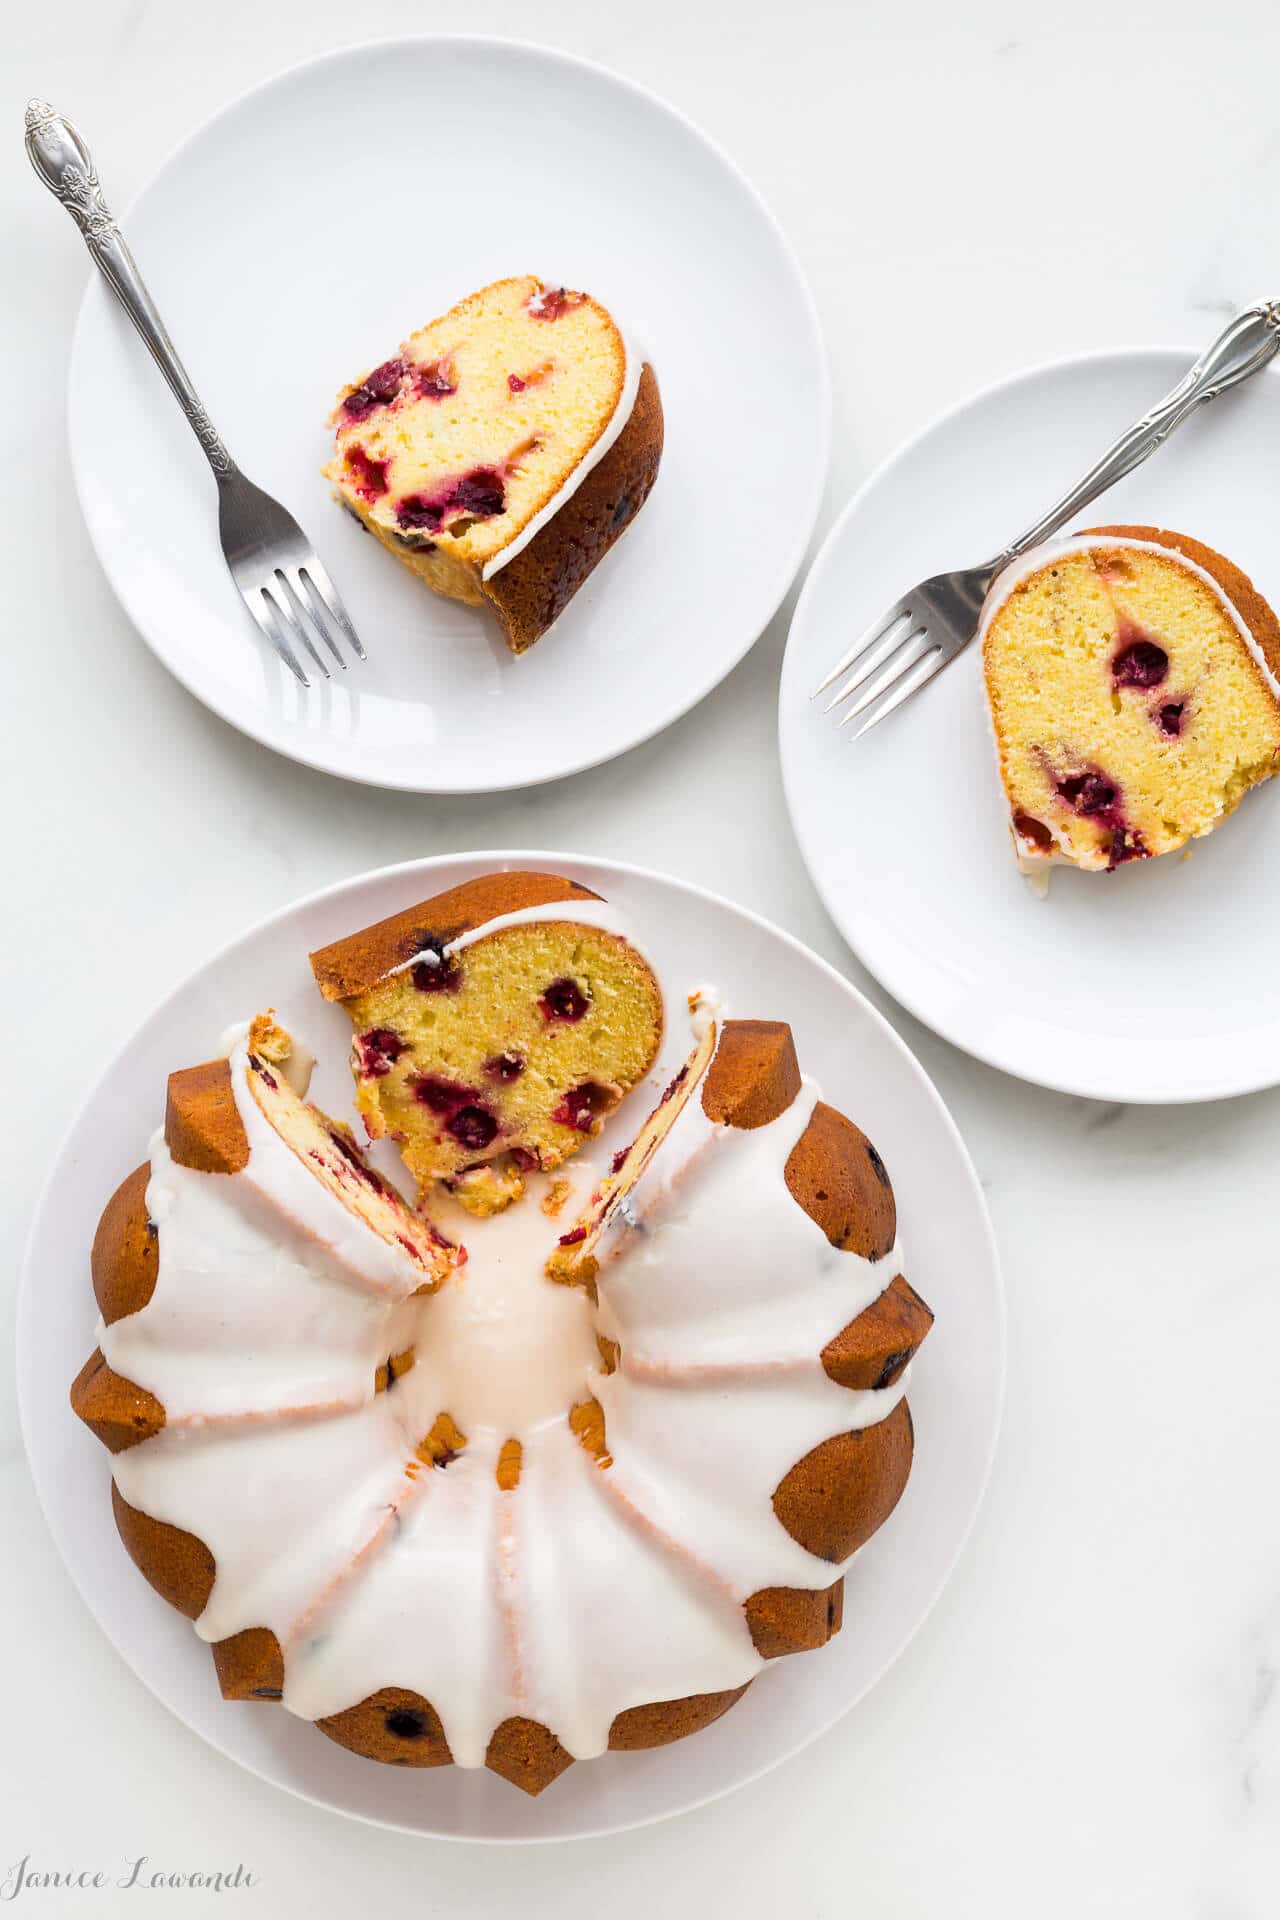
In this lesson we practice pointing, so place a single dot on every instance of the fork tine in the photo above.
(895, 639)
(294, 617)
(319, 579)
(868, 638)
(316, 611)
(916, 646)
(258, 605)
(911, 683)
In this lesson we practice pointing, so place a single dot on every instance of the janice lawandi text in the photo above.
(141, 1875)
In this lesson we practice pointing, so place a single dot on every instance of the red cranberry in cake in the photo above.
(379, 1049)
(1140, 663)
(553, 303)
(518, 470)
(368, 477)
(377, 389)
(552, 1021)
(504, 1066)
(472, 1127)
(585, 1105)
(564, 1000)
(435, 380)
(1083, 643)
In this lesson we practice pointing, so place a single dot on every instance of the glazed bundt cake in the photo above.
(455, 1513)
(503, 449)
(1132, 680)
(495, 1028)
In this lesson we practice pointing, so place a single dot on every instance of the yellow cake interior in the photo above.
(447, 450)
(1130, 713)
(507, 1057)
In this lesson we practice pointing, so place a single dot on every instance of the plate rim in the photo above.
(990, 1054)
(254, 727)
(438, 863)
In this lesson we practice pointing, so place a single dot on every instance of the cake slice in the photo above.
(1132, 681)
(503, 449)
(496, 1026)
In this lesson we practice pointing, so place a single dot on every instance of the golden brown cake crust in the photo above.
(533, 589)
(202, 1127)
(1235, 583)
(873, 1350)
(794, 1619)
(754, 1076)
(527, 1754)
(836, 1175)
(658, 1724)
(356, 963)
(834, 1499)
(249, 1665)
(116, 1411)
(125, 1258)
(393, 1725)
(176, 1564)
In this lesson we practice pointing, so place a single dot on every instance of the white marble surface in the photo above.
(1090, 1722)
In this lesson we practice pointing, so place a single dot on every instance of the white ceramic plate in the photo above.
(1155, 983)
(955, 1396)
(284, 265)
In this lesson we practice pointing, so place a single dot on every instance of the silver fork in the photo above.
(272, 562)
(924, 631)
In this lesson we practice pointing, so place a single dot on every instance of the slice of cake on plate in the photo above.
(496, 1026)
(1132, 676)
(503, 449)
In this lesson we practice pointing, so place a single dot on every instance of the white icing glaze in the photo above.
(632, 364)
(584, 1591)
(586, 913)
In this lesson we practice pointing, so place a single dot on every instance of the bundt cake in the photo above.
(1132, 677)
(456, 1513)
(503, 449)
(495, 1028)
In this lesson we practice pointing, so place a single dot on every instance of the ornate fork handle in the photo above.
(1243, 347)
(63, 161)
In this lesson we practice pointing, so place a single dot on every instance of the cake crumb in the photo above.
(553, 1199)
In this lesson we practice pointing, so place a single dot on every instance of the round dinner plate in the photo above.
(294, 241)
(955, 1394)
(1155, 983)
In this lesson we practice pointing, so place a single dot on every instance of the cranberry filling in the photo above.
(377, 389)
(472, 1127)
(1027, 827)
(477, 495)
(1141, 663)
(440, 1095)
(615, 1165)
(525, 1159)
(379, 1050)
(406, 1723)
(369, 476)
(1169, 718)
(552, 302)
(581, 1106)
(480, 493)
(564, 999)
(1126, 845)
(434, 973)
(504, 1066)
(573, 1238)
(436, 380)
(264, 1074)
(516, 384)
(1088, 793)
